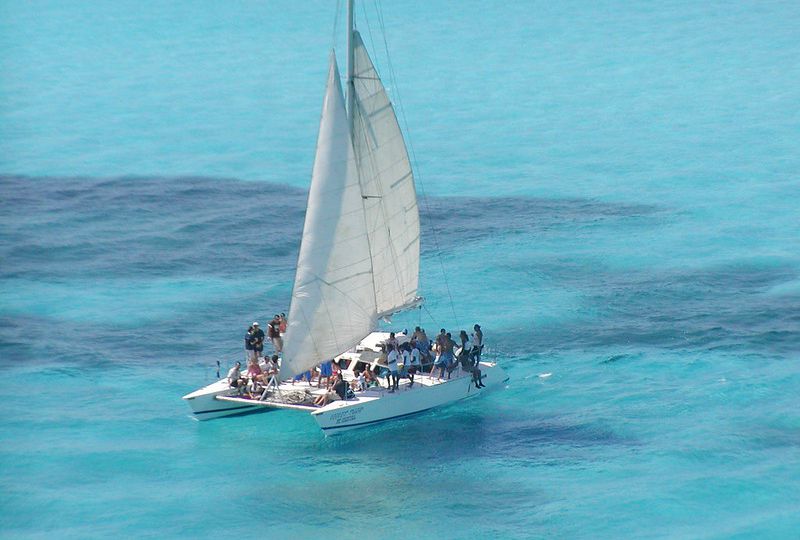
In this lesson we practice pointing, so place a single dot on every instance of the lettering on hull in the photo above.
(345, 416)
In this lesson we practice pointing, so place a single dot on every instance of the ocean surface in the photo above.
(611, 189)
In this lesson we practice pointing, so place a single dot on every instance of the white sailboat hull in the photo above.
(205, 405)
(370, 408)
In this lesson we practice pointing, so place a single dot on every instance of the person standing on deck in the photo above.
(450, 360)
(475, 354)
(283, 324)
(441, 356)
(275, 334)
(410, 360)
(248, 344)
(325, 371)
(477, 344)
(258, 341)
(423, 343)
(392, 359)
(392, 341)
(463, 354)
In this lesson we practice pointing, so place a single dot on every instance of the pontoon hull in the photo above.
(205, 405)
(367, 409)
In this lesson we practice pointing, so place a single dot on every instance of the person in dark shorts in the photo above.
(275, 334)
(248, 344)
(258, 341)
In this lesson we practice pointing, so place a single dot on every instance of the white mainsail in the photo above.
(333, 301)
(387, 184)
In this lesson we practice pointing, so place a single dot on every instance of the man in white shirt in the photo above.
(411, 359)
(234, 374)
(392, 359)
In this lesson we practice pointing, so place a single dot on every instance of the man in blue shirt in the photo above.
(248, 344)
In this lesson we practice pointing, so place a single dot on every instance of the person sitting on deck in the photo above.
(359, 383)
(254, 377)
(338, 391)
(477, 377)
(369, 377)
(235, 375)
(269, 368)
(253, 369)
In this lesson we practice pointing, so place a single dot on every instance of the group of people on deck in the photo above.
(442, 352)
(400, 360)
(260, 372)
(254, 338)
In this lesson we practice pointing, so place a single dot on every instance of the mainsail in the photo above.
(333, 301)
(387, 185)
(359, 256)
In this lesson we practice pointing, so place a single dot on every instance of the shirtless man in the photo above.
(477, 344)
(441, 350)
(475, 354)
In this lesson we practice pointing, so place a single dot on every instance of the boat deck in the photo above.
(301, 395)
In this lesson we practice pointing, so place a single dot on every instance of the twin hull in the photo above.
(367, 408)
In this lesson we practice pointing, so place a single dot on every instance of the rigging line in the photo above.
(415, 162)
(429, 315)
(336, 23)
(369, 31)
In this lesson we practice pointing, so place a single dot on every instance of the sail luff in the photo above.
(333, 300)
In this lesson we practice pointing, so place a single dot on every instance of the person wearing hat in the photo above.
(258, 341)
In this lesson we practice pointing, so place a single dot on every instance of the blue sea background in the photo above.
(615, 192)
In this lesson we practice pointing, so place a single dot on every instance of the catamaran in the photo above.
(358, 263)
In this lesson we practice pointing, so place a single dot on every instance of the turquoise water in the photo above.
(615, 191)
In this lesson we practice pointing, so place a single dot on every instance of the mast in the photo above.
(350, 86)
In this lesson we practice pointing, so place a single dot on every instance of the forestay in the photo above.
(333, 301)
(387, 184)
